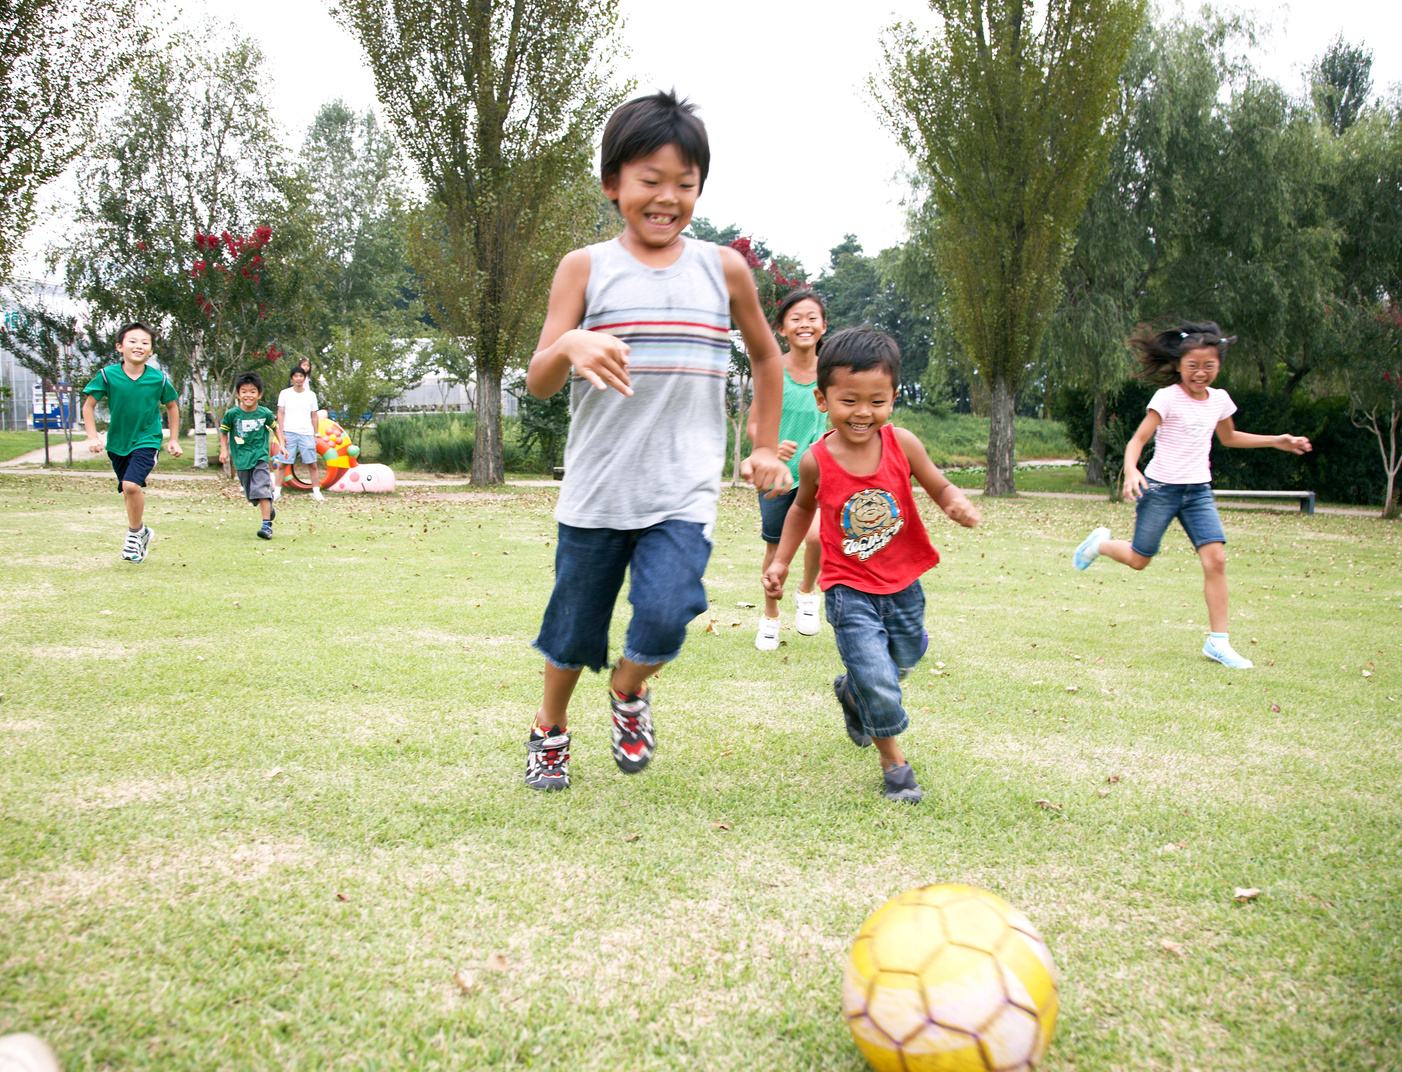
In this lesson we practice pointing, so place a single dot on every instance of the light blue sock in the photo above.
(1218, 636)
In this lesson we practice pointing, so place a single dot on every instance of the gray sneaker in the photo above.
(634, 739)
(136, 544)
(548, 760)
(901, 785)
(859, 736)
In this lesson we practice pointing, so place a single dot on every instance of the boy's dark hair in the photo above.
(1158, 352)
(645, 124)
(135, 325)
(297, 370)
(859, 349)
(249, 377)
(792, 298)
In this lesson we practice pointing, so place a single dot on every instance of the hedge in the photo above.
(1343, 467)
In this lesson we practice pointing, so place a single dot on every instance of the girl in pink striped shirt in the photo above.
(1177, 482)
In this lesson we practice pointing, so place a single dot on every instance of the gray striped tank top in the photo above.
(635, 462)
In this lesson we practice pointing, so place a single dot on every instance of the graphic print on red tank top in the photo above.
(872, 537)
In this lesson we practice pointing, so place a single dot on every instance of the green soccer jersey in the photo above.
(248, 434)
(133, 406)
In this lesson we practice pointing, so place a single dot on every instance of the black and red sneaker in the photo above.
(548, 759)
(633, 737)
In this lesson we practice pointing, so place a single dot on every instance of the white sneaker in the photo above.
(807, 621)
(277, 493)
(1224, 653)
(767, 639)
(317, 496)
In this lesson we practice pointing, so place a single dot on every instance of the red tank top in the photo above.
(872, 537)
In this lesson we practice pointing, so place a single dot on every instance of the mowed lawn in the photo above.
(260, 802)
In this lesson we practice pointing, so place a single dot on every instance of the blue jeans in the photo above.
(880, 639)
(1193, 506)
(772, 513)
(666, 562)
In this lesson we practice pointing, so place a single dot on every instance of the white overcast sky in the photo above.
(799, 180)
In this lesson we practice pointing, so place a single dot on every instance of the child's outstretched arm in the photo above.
(600, 358)
(173, 420)
(1228, 436)
(767, 472)
(947, 497)
(1134, 479)
(90, 424)
(796, 524)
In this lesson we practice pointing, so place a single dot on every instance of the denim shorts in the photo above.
(301, 447)
(134, 467)
(1193, 506)
(772, 513)
(880, 639)
(665, 563)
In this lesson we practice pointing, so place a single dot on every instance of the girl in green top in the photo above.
(800, 321)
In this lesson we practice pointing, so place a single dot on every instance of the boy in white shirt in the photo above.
(296, 425)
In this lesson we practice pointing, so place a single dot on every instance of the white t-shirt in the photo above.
(297, 407)
(1183, 440)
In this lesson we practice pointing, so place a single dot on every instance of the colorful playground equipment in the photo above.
(341, 472)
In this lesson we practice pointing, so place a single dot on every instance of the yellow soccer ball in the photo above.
(950, 979)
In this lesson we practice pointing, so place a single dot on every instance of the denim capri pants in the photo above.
(880, 639)
(772, 513)
(665, 562)
(1193, 506)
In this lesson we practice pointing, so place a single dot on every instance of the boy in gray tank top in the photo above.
(639, 329)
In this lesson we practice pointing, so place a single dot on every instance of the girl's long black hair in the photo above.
(1158, 352)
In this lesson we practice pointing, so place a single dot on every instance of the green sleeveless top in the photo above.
(801, 419)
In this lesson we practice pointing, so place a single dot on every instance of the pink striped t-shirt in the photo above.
(1183, 440)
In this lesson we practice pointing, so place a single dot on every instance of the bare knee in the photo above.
(1138, 561)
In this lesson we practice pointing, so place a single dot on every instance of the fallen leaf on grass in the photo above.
(1113, 779)
(742, 603)
(496, 962)
(727, 752)
(342, 897)
(273, 773)
(1367, 673)
(466, 983)
(721, 826)
(939, 666)
(1276, 708)
(1244, 895)
(711, 627)
(1254, 640)
(1072, 688)
(633, 837)
(1049, 804)
(1102, 792)
(1173, 947)
(104, 612)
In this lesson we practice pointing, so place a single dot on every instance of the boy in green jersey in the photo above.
(135, 393)
(249, 423)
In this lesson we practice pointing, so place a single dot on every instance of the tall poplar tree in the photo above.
(1010, 119)
(496, 103)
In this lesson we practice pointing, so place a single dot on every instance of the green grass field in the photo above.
(13, 444)
(260, 802)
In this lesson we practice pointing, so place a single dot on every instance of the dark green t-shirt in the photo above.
(133, 406)
(248, 434)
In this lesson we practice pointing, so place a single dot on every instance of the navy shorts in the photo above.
(772, 513)
(134, 467)
(665, 562)
(1193, 506)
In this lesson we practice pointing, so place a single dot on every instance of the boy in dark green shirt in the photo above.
(249, 423)
(135, 393)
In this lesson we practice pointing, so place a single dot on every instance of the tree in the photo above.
(364, 370)
(1340, 82)
(1375, 392)
(59, 61)
(1011, 125)
(61, 352)
(496, 104)
(174, 223)
(357, 199)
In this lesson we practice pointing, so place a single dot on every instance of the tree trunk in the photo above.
(44, 405)
(739, 434)
(198, 396)
(1095, 464)
(999, 478)
(487, 464)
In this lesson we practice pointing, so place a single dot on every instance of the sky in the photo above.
(799, 157)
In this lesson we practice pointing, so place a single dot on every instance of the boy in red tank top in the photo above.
(874, 544)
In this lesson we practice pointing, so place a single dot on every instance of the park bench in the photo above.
(1306, 497)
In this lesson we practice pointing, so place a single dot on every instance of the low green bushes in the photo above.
(442, 442)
